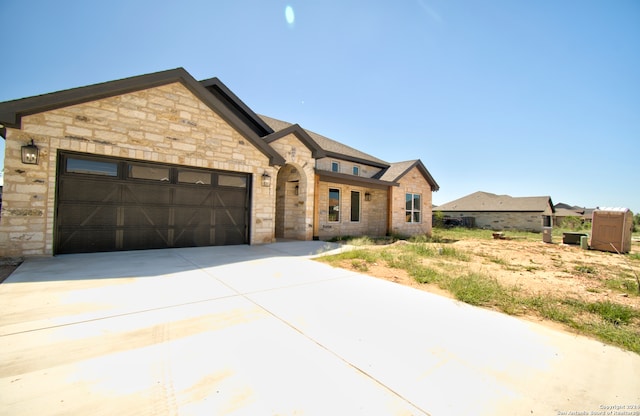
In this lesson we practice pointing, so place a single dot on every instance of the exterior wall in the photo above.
(411, 182)
(525, 221)
(346, 167)
(294, 213)
(165, 124)
(373, 214)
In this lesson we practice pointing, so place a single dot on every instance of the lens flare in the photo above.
(289, 15)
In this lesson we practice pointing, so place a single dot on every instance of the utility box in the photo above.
(611, 229)
(546, 234)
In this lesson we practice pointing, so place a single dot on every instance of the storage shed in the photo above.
(611, 229)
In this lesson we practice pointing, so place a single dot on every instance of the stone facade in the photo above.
(498, 221)
(165, 124)
(373, 213)
(170, 118)
(294, 190)
(415, 183)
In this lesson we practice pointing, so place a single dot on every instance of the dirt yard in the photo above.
(536, 268)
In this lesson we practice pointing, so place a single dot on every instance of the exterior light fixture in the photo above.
(296, 190)
(266, 179)
(367, 196)
(30, 154)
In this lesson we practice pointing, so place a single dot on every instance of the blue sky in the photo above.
(524, 98)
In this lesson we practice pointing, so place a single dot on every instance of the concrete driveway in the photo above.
(264, 330)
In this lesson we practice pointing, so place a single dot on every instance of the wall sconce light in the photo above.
(30, 154)
(296, 190)
(266, 179)
(367, 196)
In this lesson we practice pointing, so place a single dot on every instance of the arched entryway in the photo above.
(291, 201)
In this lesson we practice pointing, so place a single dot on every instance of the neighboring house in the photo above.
(162, 160)
(564, 211)
(501, 212)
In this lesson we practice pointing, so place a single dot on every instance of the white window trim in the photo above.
(413, 210)
(337, 163)
(354, 169)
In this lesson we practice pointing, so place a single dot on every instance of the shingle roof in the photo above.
(331, 147)
(397, 170)
(485, 201)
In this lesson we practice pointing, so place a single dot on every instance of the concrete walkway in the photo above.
(264, 330)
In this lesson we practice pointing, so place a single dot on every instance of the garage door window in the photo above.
(230, 180)
(149, 172)
(91, 167)
(194, 176)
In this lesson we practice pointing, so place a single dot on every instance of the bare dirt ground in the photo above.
(537, 268)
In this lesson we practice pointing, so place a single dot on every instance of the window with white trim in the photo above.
(413, 207)
(356, 170)
(335, 166)
(334, 205)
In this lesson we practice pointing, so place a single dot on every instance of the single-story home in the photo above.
(163, 160)
(501, 212)
(564, 211)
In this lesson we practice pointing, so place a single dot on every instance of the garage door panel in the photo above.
(145, 216)
(190, 217)
(229, 198)
(86, 240)
(133, 209)
(71, 190)
(194, 195)
(146, 193)
(88, 215)
(145, 239)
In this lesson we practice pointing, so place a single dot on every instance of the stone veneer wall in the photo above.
(346, 167)
(373, 214)
(525, 221)
(165, 124)
(294, 216)
(412, 182)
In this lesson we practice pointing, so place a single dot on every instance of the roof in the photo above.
(330, 147)
(485, 201)
(566, 210)
(212, 93)
(258, 129)
(397, 170)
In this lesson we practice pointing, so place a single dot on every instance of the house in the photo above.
(565, 211)
(501, 212)
(162, 160)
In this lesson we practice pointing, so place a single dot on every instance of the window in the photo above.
(157, 173)
(230, 180)
(356, 170)
(194, 176)
(355, 206)
(334, 205)
(92, 167)
(335, 167)
(413, 207)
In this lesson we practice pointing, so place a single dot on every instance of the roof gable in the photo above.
(302, 135)
(396, 171)
(485, 201)
(331, 148)
(230, 108)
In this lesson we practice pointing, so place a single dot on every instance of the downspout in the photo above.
(390, 210)
(316, 213)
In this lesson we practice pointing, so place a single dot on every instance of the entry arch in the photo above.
(292, 203)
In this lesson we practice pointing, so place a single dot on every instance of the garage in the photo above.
(112, 204)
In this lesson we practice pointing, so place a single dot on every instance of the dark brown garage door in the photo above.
(106, 204)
